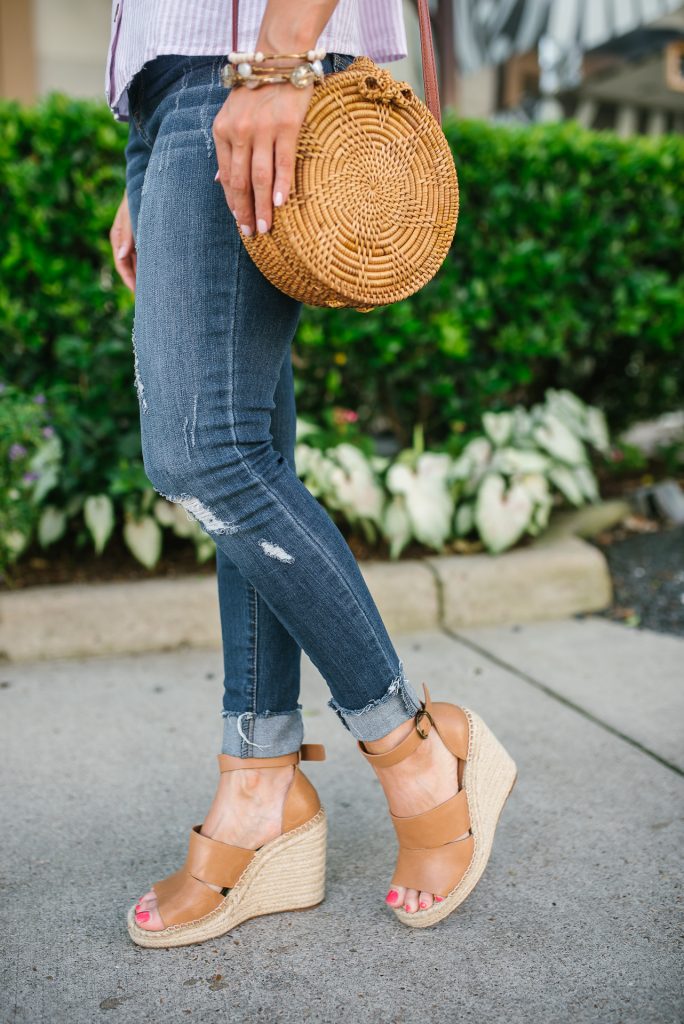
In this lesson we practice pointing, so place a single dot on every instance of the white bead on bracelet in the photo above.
(235, 57)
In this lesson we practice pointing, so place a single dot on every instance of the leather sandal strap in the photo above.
(423, 724)
(307, 752)
(214, 862)
(442, 824)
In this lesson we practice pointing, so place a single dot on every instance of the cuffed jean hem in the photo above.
(380, 716)
(269, 734)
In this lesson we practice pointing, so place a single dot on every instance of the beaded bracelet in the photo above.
(253, 69)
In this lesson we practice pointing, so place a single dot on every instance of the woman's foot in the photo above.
(424, 779)
(247, 811)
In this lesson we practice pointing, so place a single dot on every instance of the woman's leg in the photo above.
(256, 646)
(261, 659)
(211, 337)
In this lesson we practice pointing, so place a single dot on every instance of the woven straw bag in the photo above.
(373, 210)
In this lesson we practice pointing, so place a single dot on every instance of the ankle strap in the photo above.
(423, 722)
(307, 752)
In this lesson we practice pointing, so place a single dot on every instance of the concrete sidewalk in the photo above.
(111, 761)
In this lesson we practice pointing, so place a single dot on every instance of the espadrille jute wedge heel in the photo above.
(445, 850)
(288, 873)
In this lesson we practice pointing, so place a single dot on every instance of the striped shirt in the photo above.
(144, 29)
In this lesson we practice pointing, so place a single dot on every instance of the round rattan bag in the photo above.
(374, 204)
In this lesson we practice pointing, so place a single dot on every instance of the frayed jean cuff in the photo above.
(380, 716)
(268, 734)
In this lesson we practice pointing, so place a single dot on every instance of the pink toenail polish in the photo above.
(407, 908)
(392, 896)
(423, 906)
(144, 916)
(438, 899)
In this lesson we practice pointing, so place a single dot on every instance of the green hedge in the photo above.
(566, 271)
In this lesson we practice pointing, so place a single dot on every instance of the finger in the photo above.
(126, 271)
(241, 186)
(286, 146)
(223, 153)
(262, 185)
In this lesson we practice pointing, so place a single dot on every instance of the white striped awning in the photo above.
(490, 31)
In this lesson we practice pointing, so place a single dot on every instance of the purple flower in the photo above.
(30, 478)
(40, 399)
(48, 431)
(17, 451)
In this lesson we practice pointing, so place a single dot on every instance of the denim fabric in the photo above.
(214, 379)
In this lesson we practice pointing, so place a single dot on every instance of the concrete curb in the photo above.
(555, 579)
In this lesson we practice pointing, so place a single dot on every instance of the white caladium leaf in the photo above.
(51, 525)
(464, 520)
(540, 519)
(98, 513)
(379, 463)
(304, 427)
(519, 460)
(597, 429)
(501, 515)
(164, 512)
(314, 468)
(354, 487)
(472, 463)
(396, 526)
(565, 480)
(537, 487)
(427, 492)
(587, 483)
(204, 547)
(15, 541)
(143, 538)
(522, 426)
(568, 408)
(498, 426)
(558, 440)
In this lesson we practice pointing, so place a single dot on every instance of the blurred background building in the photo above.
(615, 64)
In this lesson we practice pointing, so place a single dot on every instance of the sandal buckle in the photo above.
(423, 713)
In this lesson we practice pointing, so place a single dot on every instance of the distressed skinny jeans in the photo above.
(214, 379)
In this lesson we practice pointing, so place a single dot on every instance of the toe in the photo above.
(411, 901)
(424, 900)
(395, 897)
(149, 920)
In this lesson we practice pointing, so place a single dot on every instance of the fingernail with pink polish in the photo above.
(246, 230)
(144, 916)
(278, 199)
(121, 252)
(216, 176)
(262, 227)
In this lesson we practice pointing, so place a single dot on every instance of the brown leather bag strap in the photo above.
(427, 54)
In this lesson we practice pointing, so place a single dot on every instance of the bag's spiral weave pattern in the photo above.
(375, 200)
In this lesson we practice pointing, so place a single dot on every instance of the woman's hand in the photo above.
(123, 245)
(256, 133)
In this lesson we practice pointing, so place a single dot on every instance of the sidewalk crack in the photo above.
(525, 677)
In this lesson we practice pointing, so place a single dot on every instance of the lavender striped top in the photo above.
(144, 29)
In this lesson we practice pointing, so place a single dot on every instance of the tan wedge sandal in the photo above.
(288, 873)
(432, 857)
